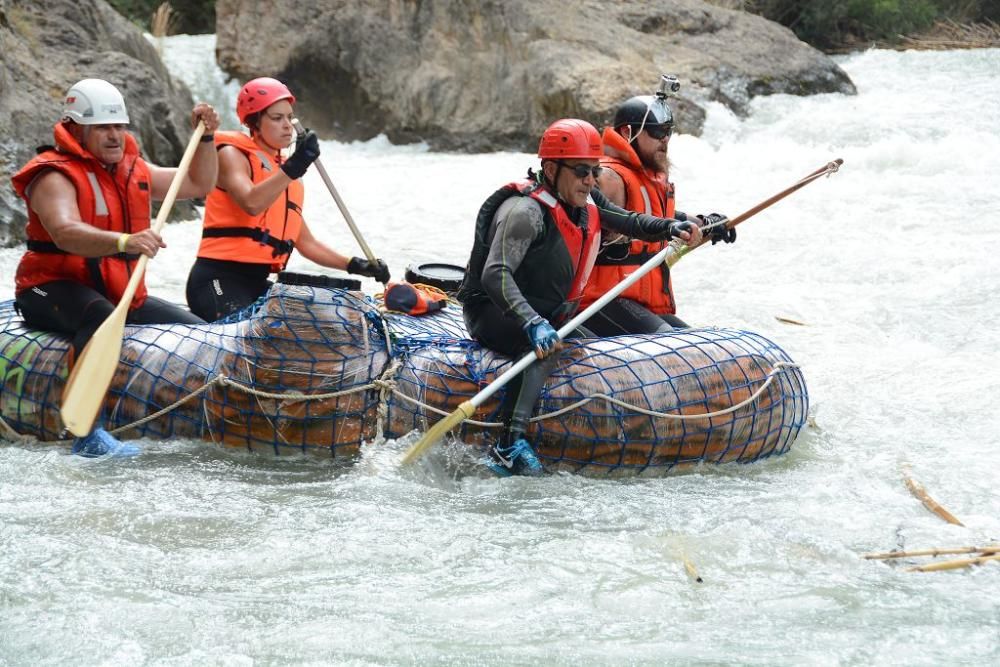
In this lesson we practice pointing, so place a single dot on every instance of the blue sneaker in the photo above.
(516, 459)
(101, 443)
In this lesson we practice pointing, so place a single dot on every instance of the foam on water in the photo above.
(190, 555)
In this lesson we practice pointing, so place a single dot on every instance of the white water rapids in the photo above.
(189, 555)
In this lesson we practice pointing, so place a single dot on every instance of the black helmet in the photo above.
(643, 111)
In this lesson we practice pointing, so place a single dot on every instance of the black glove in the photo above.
(676, 227)
(362, 267)
(306, 152)
(719, 233)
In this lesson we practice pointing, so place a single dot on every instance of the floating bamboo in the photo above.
(954, 564)
(918, 490)
(933, 552)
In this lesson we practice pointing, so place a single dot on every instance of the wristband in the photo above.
(205, 138)
(122, 240)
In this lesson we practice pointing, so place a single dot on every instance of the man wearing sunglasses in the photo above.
(535, 245)
(635, 177)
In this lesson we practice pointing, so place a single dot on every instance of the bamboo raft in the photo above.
(320, 370)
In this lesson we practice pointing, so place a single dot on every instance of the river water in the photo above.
(188, 555)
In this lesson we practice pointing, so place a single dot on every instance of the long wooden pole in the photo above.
(340, 202)
(825, 170)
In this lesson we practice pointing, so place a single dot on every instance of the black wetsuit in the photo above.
(522, 270)
(76, 310)
(217, 288)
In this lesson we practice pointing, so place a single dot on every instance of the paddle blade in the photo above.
(436, 432)
(88, 383)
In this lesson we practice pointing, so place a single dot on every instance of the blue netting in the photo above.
(650, 378)
(322, 370)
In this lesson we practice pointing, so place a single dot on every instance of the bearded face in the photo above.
(652, 151)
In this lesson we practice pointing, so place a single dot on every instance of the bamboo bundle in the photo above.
(992, 549)
(954, 564)
(984, 555)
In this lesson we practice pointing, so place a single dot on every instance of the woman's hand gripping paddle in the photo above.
(369, 255)
(91, 376)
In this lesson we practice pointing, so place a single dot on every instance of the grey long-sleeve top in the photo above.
(520, 220)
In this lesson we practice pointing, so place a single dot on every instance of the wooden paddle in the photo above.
(340, 202)
(466, 409)
(91, 376)
(671, 254)
(825, 170)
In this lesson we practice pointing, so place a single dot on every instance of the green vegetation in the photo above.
(187, 17)
(839, 24)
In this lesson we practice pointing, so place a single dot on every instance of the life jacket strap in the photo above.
(51, 248)
(263, 236)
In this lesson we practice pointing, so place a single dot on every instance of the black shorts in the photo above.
(76, 310)
(217, 288)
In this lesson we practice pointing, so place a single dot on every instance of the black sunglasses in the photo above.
(581, 171)
(658, 132)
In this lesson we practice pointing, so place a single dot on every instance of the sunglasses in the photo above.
(658, 132)
(581, 171)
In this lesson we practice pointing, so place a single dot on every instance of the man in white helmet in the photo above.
(89, 200)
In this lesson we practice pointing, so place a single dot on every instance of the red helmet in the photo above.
(570, 138)
(259, 94)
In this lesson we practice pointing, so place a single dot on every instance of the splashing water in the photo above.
(191, 555)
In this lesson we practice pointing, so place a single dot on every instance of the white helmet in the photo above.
(94, 102)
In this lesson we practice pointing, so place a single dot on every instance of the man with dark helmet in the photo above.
(535, 245)
(635, 177)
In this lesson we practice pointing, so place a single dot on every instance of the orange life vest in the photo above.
(583, 244)
(645, 192)
(552, 287)
(117, 201)
(230, 233)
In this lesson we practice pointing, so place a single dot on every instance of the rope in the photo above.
(219, 379)
(386, 384)
(778, 367)
(14, 436)
(434, 291)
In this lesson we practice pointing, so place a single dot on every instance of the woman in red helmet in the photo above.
(253, 217)
(535, 245)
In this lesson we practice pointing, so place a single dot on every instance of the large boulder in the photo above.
(45, 47)
(493, 74)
